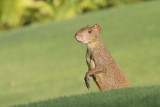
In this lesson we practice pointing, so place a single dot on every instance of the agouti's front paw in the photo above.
(86, 78)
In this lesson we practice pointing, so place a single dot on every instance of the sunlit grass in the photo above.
(45, 61)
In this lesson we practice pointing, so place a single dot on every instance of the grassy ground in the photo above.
(131, 97)
(45, 61)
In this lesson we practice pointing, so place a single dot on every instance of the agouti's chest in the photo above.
(90, 60)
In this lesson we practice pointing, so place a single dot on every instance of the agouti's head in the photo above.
(88, 34)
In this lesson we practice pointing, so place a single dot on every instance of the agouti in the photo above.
(101, 66)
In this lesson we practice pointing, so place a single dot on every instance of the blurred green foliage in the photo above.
(14, 13)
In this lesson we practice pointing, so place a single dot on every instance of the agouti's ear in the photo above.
(88, 25)
(97, 28)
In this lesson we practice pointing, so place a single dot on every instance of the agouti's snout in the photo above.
(78, 38)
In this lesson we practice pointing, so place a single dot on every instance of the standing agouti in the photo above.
(101, 66)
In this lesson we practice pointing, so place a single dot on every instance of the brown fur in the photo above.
(101, 65)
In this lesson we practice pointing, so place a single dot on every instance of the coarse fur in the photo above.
(101, 66)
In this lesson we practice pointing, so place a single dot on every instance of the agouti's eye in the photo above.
(89, 31)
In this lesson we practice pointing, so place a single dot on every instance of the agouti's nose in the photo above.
(79, 38)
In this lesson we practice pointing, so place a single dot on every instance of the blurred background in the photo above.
(16, 13)
(40, 58)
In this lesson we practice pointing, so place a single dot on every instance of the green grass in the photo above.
(131, 97)
(45, 61)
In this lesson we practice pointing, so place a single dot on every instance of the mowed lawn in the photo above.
(45, 61)
(130, 97)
